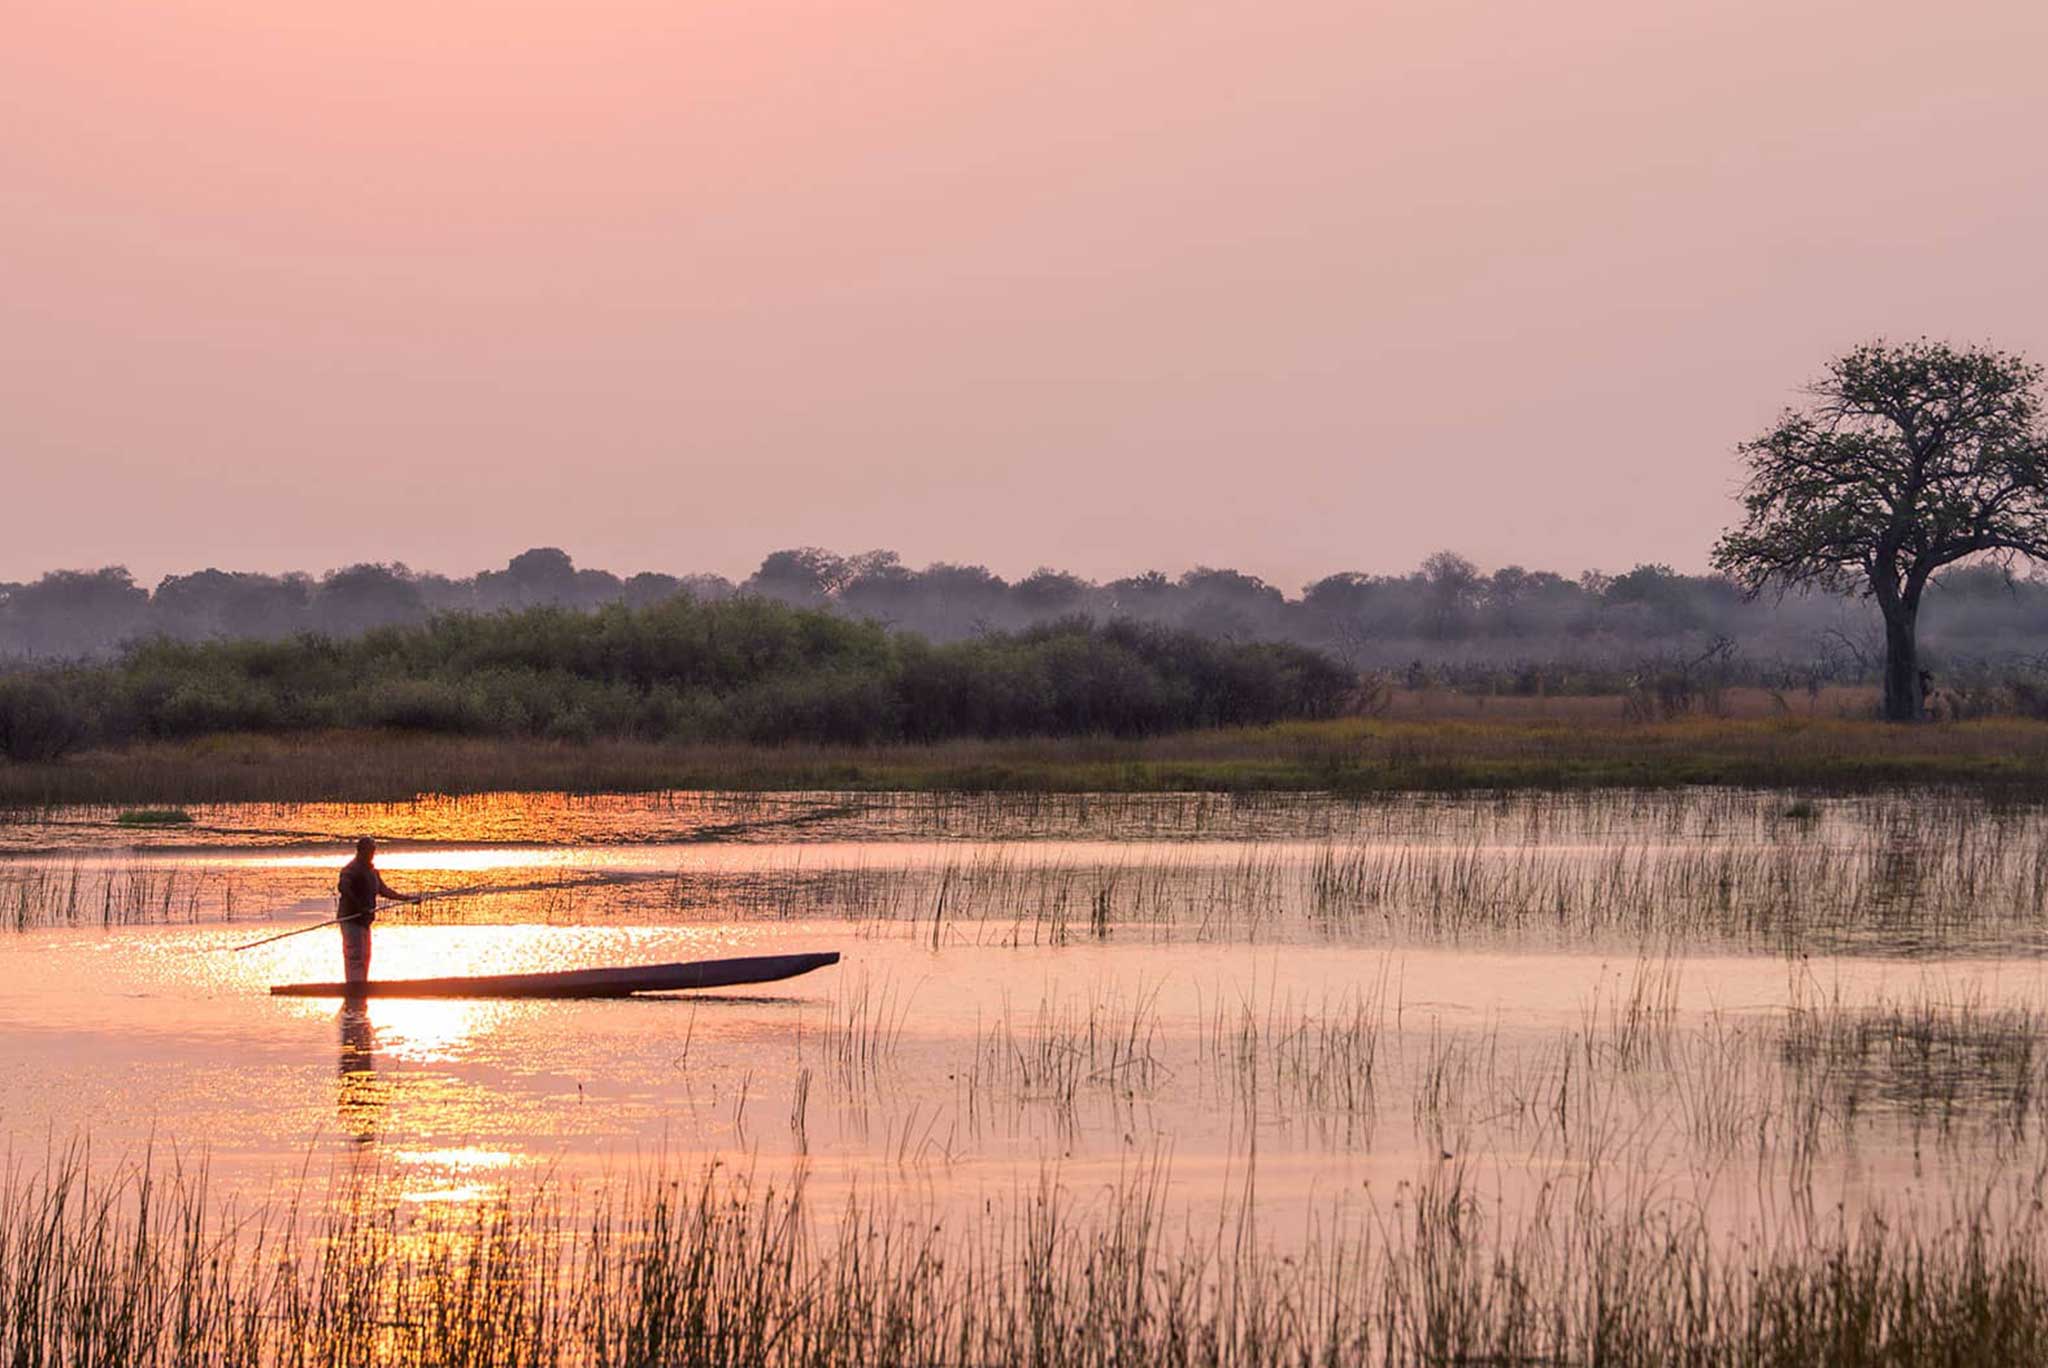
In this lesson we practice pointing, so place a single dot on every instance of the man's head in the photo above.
(366, 849)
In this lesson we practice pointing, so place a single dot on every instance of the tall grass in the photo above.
(146, 1269)
(1360, 757)
(1914, 874)
(79, 894)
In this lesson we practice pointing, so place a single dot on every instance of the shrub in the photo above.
(38, 721)
(743, 669)
(428, 705)
(836, 707)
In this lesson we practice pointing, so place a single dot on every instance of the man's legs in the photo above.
(355, 952)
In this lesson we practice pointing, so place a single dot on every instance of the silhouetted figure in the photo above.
(361, 885)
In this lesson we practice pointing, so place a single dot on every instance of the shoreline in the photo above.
(1347, 757)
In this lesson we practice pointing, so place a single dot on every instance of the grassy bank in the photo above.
(1353, 756)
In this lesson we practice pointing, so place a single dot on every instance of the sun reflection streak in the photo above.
(430, 1030)
(362, 1092)
(466, 860)
(450, 1176)
(376, 1036)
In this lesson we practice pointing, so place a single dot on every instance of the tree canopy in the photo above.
(1909, 458)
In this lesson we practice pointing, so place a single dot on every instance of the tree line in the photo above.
(1446, 614)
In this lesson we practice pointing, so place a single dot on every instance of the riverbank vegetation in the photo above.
(748, 693)
(743, 671)
(1565, 748)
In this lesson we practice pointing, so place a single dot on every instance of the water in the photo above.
(1692, 997)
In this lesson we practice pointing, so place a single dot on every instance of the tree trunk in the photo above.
(1902, 696)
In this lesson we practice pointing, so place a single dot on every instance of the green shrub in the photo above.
(745, 669)
(217, 702)
(428, 705)
(39, 721)
(154, 817)
(841, 707)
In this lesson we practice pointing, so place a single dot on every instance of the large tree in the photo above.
(1908, 458)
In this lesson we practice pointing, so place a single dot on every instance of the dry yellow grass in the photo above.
(1425, 742)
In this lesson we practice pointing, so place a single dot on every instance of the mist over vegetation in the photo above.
(1447, 616)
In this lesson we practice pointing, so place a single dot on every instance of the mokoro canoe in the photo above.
(580, 983)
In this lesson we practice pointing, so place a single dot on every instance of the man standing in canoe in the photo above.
(361, 885)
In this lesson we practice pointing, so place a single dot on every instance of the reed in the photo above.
(145, 1268)
(81, 894)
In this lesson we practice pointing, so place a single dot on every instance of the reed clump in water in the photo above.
(37, 896)
(1938, 1060)
(1902, 874)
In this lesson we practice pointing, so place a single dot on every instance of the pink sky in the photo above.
(1294, 286)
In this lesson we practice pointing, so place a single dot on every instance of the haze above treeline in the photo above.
(1448, 610)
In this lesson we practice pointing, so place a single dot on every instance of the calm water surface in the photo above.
(1696, 996)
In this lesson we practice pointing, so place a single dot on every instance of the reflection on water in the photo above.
(428, 1031)
(382, 1044)
(1913, 874)
(362, 1092)
(602, 820)
(1664, 989)
(451, 1176)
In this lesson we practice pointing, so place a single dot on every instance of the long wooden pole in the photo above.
(331, 921)
(336, 921)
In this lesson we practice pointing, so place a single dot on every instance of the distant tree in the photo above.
(541, 567)
(1343, 609)
(595, 588)
(1910, 458)
(877, 564)
(71, 613)
(1144, 595)
(1504, 592)
(1230, 605)
(960, 600)
(1661, 598)
(806, 575)
(1454, 585)
(1230, 584)
(221, 603)
(1046, 593)
(1348, 592)
(540, 576)
(649, 587)
(354, 600)
(879, 587)
(707, 588)
(444, 594)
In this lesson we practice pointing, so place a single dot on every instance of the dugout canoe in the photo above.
(580, 983)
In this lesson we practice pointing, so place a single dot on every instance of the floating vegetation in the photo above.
(153, 817)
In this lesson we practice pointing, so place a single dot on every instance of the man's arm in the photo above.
(386, 890)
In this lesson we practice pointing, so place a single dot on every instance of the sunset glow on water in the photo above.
(1210, 996)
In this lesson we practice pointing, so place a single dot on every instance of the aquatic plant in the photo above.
(144, 1268)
